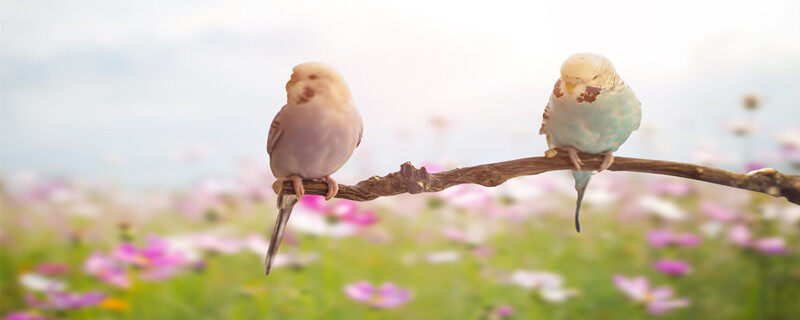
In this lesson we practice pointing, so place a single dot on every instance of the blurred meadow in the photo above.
(134, 181)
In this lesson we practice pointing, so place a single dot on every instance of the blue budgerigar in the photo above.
(591, 110)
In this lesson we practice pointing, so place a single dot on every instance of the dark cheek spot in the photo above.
(308, 92)
(302, 100)
(312, 77)
(557, 89)
(589, 95)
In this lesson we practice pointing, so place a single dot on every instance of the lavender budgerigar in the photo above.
(591, 110)
(311, 137)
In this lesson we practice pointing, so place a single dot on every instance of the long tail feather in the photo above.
(581, 181)
(285, 205)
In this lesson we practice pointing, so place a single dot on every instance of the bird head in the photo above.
(317, 80)
(583, 70)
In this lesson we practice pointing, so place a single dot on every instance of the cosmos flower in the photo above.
(38, 282)
(503, 311)
(387, 296)
(663, 238)
(442, 257)
(657, 300)
(340, 211)
(771, 245)
(672, 267)
(60, 300)
(667, 210)
(740, 234)
(549, 285)
(23, 316)
(155, 254)
(52, 268)
(671, 187)
(717, 212)
(107, 270)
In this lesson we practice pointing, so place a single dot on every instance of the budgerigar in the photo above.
(311, 137)
(591, 110)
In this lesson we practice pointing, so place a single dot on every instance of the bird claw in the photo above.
(608, 159)
(297, 182)
(333, 187)
(573, 156)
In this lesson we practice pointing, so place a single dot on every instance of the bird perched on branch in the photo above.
(311, 137)
(591, 110)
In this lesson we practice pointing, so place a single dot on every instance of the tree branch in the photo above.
(412, 180)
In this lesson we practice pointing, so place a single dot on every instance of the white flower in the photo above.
(789, 138)
(663, 208)
(443, 257)
(38, 282)
(548, 284)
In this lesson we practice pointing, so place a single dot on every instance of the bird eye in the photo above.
(595, 77)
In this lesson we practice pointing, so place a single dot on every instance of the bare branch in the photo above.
(412, 180)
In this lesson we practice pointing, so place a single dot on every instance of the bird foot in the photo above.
(333, 187)
(573, 156)
(550, 153)
(297, 182)
(608, 159)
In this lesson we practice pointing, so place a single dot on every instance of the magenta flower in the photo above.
(52, 268)
(717, 212)
(503, 311)
(753, 166)
(156, 254)
(657, 300)
(107, 270)
(672, 267)
(23, 316)
(61, 300)
(387, 296)
(771, 246)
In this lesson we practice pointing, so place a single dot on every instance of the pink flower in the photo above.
(663, 238)
(341, 210)
(688, 240)
(717, 212)
(217, 244)
(740, 234)
(771, 246)
(466, 196)
(23, 316)
(387, 296)
(671, 187)
(107, 269)
(60, 300)
(503, 311)
(156, 254)
(52, 268)
(659, 238)
(672, 267)
(657, 300)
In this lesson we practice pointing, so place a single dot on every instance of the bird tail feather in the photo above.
(285, 205)
(581, 181)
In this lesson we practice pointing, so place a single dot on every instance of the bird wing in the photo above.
(545, 116)
(275, 132)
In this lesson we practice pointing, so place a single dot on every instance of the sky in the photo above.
(162, 93)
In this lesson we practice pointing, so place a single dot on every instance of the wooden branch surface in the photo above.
(412, 180)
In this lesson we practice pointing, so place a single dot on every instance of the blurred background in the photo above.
(135, 182)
